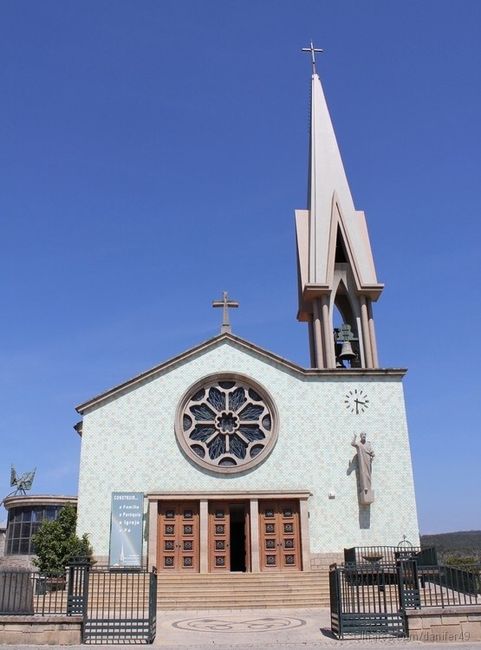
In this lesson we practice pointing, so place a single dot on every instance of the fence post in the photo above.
(152, 604)
(335, 599)
(408, 584)
(77, 587)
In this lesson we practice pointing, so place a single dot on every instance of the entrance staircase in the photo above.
(243, 590)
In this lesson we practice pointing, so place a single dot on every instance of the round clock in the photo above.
(356, 401)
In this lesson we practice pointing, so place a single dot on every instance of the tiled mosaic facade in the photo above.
(128, 443)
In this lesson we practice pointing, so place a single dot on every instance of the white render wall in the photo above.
(129, 444)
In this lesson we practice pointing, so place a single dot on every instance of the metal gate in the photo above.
(369, 599)
(120, 606)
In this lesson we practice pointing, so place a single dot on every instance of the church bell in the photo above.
(347, 353)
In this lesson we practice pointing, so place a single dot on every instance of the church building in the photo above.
(244, 461)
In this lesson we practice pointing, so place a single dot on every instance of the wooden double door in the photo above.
(280, 540)
(227, 546)
(178, 537)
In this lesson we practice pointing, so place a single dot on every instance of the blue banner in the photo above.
(126, 529)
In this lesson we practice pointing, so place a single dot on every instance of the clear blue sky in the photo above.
(152, 155)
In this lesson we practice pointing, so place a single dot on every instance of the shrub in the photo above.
(460, 561)
(57, 544)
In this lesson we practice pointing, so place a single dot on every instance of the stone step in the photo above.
(256, 582)
(251, 604)
(240, 589)
(244, 598)
(241, 585)
(258, 579)
(176, 591)
(227, 591)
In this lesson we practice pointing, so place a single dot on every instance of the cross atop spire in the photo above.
(225, 303)
(313, 51)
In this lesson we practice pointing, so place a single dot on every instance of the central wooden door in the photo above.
(219, 536)
(280, 548)
(229, 537)
(178, 537)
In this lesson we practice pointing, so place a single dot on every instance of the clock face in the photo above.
(356, 401)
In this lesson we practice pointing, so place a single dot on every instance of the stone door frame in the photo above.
(252, 498)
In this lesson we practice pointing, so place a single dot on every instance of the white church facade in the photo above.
(245, 460)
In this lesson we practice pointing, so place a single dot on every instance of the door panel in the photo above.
(178, 537)
(279, 536)
(219, 536)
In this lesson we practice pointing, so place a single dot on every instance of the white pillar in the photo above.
(312, 345)
(366, 339)
(254, 520)
(204, 536)
(153, 515)
(328, 335)
(317, 328)
(305, 542)
(372, 332)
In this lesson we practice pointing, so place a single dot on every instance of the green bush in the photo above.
(460, 560)
(57, 544)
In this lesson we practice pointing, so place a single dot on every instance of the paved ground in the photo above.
(246, 627)
(286, 629)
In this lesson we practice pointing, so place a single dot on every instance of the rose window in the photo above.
(227, 423)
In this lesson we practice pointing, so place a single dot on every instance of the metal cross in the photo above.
(225, 303)
(313, 51)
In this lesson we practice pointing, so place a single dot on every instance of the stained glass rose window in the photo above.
(227, 423)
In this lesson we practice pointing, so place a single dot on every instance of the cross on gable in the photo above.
(226, 304)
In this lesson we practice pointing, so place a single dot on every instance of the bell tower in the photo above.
(336, 273)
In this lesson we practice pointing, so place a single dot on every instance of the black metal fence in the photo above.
(121, 606)
(117, 606)
(448, 586)
(365, 600)
(32, 593)
(390, 554)
(372, 598)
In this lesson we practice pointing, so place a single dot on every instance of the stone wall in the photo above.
(3, 533)
(17, 562)
(322, 561)
(40, 630)
(449, 625)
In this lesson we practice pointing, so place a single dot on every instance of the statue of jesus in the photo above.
(365, 454)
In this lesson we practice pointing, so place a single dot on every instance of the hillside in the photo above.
(464, 543)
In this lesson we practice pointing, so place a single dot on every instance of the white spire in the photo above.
(330, 200)
(335, 262)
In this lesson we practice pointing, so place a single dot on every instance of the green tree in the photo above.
(57, 544)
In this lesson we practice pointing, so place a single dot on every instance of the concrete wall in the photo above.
(128, 443)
